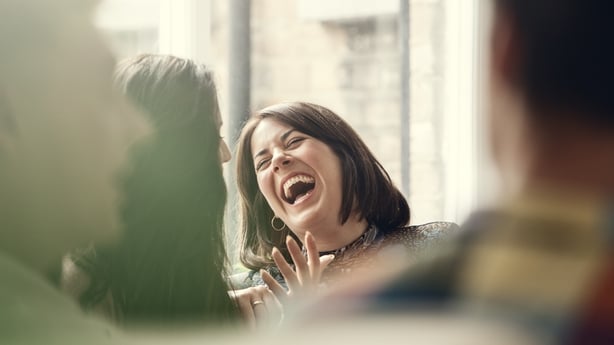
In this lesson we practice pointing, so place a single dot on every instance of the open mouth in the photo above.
(298, 187)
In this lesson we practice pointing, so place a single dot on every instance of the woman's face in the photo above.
(299, 176)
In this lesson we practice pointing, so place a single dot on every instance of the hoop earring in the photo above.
(277, 228)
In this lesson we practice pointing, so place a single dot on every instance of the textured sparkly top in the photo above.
(410, 241)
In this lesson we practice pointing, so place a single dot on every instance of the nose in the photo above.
(280, 160)
(224, 151)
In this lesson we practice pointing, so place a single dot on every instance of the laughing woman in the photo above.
(313, 194)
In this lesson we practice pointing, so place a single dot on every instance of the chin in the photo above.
(305, 224)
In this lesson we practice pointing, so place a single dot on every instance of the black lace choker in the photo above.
(362, 242)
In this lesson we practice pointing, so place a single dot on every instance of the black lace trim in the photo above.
(364, 241)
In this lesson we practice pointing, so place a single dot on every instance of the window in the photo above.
(346, 55)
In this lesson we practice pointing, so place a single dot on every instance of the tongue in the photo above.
(299, 189)
(299, 196)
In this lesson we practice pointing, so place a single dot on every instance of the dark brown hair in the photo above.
(366, 186)
(170, 263)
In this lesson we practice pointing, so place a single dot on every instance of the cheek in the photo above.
(266, 186)
(338, 188)
(336, 179)
(333, 169)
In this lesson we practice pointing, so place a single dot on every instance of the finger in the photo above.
(259, 307)
(302, 269)
(325, 260)
(274, 285)
(274, 307)
(312, 256)
(285, 269)
(245, 307)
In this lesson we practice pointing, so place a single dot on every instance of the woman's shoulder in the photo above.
(241, 280)
(252, 278)
(431, 230)
(422, 235)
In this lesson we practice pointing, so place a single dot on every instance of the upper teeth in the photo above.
(294, 179)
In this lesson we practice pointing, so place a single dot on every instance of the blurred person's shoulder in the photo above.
(530, 228)
(533, 260)
(35, 312)
(414, 327)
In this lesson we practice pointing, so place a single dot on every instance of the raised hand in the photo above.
(304, 279)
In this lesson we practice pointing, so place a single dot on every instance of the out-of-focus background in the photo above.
(407, 75)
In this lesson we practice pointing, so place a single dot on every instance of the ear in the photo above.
(505, 47)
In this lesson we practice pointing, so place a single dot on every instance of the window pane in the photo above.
(131, 25)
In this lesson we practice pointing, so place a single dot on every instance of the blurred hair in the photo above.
(566, 55)
(366, 186)
(171, 262)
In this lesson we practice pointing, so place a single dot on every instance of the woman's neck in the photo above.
(341, 235)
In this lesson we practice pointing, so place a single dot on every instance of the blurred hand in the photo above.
(258, 305)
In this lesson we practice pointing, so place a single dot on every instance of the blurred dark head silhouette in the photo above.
(170, 264)
(564, 58)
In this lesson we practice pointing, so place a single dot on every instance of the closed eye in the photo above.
(294, 142)
(260, 164)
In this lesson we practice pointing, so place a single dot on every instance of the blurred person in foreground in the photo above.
(169, 266)
(543, 258)
(64, 134)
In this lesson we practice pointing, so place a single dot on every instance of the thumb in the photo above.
(325, 260)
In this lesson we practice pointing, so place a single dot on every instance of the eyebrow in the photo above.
(283, 137)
